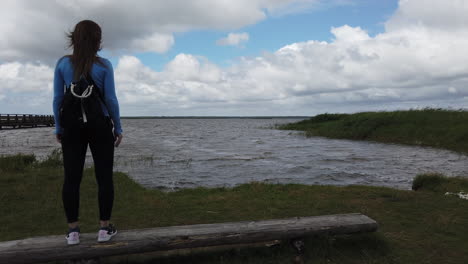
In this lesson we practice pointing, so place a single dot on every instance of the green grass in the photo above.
(439, 183)
(423, 226)
(438, 128)
(16, 162)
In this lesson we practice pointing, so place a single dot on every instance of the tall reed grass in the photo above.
(440, 128)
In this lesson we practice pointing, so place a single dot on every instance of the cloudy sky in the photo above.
(246, 57)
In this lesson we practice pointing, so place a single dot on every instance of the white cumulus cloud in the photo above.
(419, 61)
(159, 43)
(234, 39)
(35, 30)
(25, 88)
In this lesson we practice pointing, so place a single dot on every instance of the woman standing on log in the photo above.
(100, 136)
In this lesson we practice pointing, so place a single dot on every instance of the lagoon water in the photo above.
(182, 153)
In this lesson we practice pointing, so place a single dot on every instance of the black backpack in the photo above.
(81, 104)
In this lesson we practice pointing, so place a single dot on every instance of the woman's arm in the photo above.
(111, 98)
(58, 97)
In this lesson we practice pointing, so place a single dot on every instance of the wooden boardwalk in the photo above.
(22, 121)
(53, 248)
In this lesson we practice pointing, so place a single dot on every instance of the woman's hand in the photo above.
(118, 139)
(59, 138)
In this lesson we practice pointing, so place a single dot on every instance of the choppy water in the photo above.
(180, 153)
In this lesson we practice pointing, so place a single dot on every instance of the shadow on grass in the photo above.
(357, 248)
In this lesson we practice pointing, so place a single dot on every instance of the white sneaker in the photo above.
(105, 234)
(73, 238)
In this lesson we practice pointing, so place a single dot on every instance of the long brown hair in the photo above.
(85, 40)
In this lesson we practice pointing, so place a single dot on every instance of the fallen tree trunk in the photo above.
(51, 248)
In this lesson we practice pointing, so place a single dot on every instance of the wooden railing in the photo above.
(21, 121)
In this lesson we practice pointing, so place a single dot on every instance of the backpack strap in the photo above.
(90, 80)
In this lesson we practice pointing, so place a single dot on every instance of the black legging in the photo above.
(74, 146)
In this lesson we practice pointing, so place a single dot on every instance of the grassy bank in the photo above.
(423, 226)
(438, 128)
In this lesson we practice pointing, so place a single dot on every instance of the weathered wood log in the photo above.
(51, 248)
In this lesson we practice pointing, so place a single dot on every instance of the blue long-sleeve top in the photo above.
(103, 76)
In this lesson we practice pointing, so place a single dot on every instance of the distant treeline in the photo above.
(214, 117)
(440, 128)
